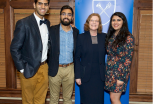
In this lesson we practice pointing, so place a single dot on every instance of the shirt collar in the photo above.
(68, 31)
(38, 19)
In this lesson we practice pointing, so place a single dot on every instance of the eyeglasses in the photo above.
(68, 14)
(94, 21)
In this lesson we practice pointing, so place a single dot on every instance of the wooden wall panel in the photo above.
(1, 11)
(134, 94)
(145, 1)
(8, 28)
(2, 4)
(29, 4)
(2, 51)
(145, 62)
(53, 16)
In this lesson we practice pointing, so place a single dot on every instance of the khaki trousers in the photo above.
(34, 89)
(65, 76)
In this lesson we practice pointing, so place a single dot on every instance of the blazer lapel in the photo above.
(35, 26)
(88, 45)
(74, 37)
(34, 22)
(57, 33)
(48, 26)
(49, 38)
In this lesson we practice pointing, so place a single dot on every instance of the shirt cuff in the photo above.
(22, 70)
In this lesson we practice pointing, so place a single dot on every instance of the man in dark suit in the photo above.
(61, 67)
(29, 49)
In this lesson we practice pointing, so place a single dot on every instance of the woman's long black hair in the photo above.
(122, 34)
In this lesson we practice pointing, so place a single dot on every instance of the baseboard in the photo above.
(141, 97)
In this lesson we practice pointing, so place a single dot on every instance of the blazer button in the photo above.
(40, 51)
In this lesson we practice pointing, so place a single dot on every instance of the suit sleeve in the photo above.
(77, 64)
(124, 66)
(16, 45)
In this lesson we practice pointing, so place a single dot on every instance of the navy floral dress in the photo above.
(118, 64)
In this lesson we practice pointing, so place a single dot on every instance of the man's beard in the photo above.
(65, 23)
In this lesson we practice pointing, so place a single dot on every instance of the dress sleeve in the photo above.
(126, 59)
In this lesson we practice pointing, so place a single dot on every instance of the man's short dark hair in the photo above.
(37, 1)
(66, 7)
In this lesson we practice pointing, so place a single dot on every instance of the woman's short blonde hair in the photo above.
(86, 25)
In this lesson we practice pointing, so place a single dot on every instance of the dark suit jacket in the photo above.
(53, 59)
(83, 56)
(26, 46)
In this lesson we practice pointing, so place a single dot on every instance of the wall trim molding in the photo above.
(6, 93)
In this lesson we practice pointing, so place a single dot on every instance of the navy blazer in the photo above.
(53, 59)
(83, 56)
(26, 46)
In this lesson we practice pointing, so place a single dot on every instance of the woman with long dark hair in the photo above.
(119, 45)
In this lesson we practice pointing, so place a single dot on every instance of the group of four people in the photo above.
(59, 54)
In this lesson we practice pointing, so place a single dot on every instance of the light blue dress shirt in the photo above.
(66, 46)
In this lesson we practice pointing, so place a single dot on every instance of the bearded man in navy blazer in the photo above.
(61, 67)
(29, 49)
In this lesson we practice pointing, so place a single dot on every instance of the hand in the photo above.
(78, 81)
(119, 83)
